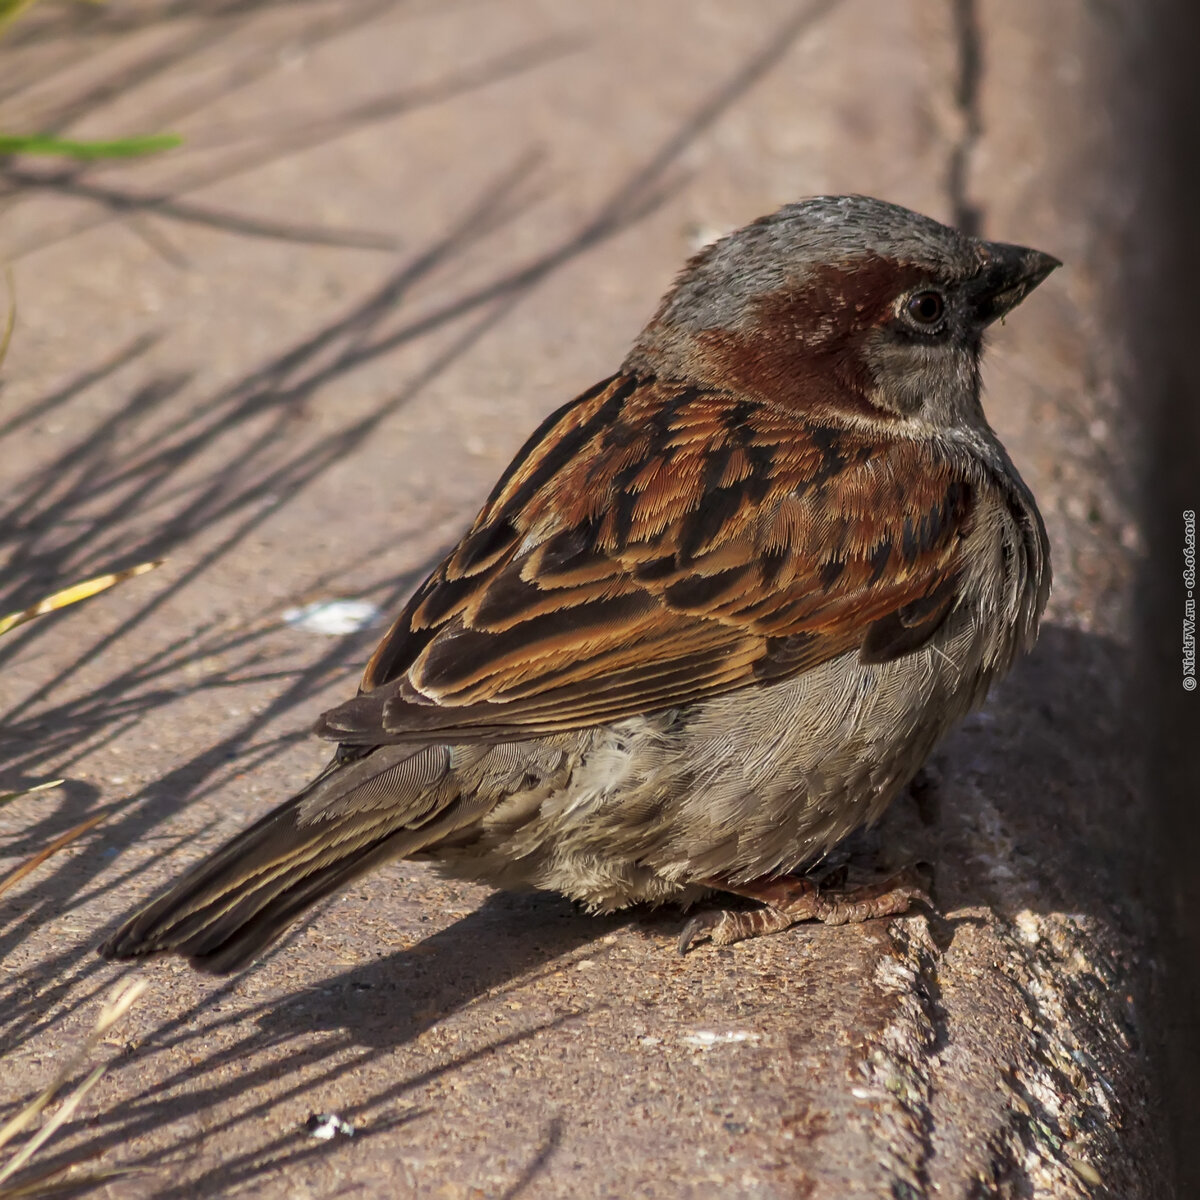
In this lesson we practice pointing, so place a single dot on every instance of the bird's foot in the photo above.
(792, 899)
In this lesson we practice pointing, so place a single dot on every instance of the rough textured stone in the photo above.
(291, 358)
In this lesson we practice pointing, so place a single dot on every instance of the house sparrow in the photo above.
(712, 618)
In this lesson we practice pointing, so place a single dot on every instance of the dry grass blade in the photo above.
(75, 593)
(70, 595)
(49, 1183)
(5, 797)
(31, 864)
(118, 1004)
(66, 1111)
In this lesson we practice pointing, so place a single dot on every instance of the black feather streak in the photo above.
(770, 563)
(484, 543)
(879, 561)
(563, 450)
(831, 572)
(698, 592)
(452, 658)
(701, 527)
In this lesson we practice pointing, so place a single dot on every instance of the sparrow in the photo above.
(712, 618)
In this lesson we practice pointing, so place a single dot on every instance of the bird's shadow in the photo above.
(388, 1002)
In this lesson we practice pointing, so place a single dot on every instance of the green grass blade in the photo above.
(45, 143)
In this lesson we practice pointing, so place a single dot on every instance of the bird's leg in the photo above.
(791, 899)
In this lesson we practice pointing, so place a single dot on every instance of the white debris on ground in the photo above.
(326, 1126)
(704, 1039)
(334, 618)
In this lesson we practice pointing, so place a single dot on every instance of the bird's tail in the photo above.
(230, 906)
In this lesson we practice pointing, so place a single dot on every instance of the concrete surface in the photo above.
(292, 356)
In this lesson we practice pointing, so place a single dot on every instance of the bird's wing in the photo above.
(656, 544)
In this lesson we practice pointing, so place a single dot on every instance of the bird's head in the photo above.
(841, 302)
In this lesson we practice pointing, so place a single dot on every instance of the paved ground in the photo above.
(291, 358)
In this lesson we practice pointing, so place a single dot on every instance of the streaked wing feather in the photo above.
(653, 545)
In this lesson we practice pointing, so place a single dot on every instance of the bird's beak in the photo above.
(1008, 275)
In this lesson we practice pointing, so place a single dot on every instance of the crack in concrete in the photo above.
(901, 1056)
(1060, 1111)
(1064, 1113)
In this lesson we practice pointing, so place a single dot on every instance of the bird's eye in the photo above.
(926, 308)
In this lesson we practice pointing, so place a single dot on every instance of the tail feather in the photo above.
(229, 907)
